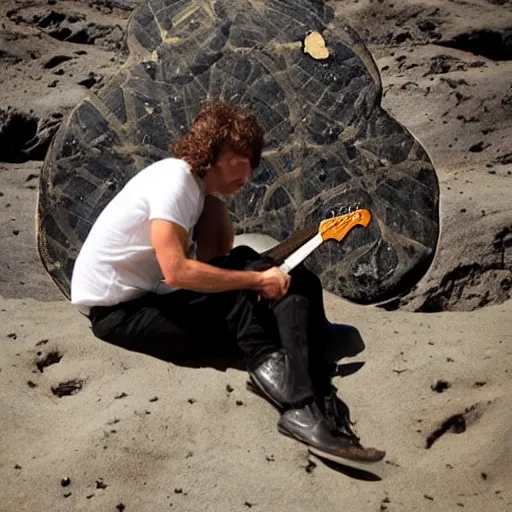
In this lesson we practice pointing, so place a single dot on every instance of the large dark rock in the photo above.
(330, 145)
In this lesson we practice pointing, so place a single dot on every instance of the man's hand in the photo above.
(274, 284)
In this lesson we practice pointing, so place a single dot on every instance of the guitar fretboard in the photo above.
(281, 251)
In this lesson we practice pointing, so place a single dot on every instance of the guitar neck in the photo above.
(281, 251)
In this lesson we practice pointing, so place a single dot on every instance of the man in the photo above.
(143, 288)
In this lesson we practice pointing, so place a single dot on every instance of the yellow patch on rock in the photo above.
(314, 44)
(170, 40)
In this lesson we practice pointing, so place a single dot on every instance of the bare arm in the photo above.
(214, 230)
(170, 241)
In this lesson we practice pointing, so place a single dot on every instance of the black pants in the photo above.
(181, 322)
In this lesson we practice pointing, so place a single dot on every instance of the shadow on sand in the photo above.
(344, 341)
(352, 472)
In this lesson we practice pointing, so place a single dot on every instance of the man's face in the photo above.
(231, 172)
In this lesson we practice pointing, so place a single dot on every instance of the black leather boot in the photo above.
(280, 381)
(307, 425)
(283, 377)
(302, 419)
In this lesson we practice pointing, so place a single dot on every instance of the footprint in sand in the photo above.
(68, 387)
(47, 359)
(458, 423)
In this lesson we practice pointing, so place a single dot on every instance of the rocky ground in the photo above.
(446, 68)
(446, 72)
(88, 426)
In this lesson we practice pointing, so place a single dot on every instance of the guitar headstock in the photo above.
(338, 228)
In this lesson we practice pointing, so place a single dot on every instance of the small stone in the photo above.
(229, 388)
(440, 386)
(247, 504)
(426, 25)
(12, 335)
(239, 402)
(178, 490)
(476, 148)
(428, 497)
(17, 466)
(154, 399)
(100, 484)
(310, 467)
(484, 476)
(120, 507)
(31, 384)
(65, 482)
(192, 400)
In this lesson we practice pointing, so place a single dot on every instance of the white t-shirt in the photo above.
(117, 262)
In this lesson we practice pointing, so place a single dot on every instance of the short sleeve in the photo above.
(174, 196)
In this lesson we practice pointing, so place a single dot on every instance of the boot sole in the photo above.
(358, 463)
(253, 387)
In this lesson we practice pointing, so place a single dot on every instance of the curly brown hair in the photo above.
(219, 124)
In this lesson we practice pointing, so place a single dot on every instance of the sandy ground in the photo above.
(432, 389)
(158, 435)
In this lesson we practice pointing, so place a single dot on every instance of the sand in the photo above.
(428, 381)
(157, 434)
